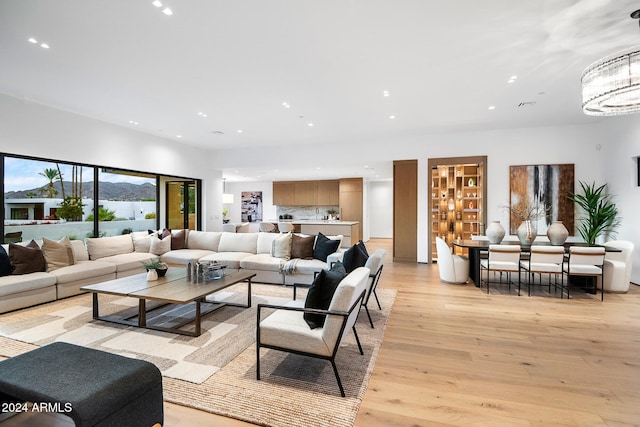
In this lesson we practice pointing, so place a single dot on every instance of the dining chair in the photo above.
(502, 259)
(617, 265)
(285, 227)
(544, 260)
(586, 261)
(453, 268)
(267, 227)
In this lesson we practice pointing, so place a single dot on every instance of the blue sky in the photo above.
(23, 174)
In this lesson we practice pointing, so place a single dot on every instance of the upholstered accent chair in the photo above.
(453, 268)
(617, 266)
(286, 329)
(374, 263)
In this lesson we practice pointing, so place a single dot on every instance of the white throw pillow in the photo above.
(142, 241)
(160, 247)
(281, 247)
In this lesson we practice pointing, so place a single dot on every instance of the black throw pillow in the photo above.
(354, 257)
(363, 248)
(5, 264)
(321, 292)
(324, 247)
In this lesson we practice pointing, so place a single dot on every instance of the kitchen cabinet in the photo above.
(284, 193)
(306, 193)
(328, 193)
(351, 202)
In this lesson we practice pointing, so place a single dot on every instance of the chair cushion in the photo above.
(324, 247)
(321, 292)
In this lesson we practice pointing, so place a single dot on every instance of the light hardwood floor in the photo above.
(454, 356)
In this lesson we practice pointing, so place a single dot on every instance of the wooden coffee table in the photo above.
(173, 288)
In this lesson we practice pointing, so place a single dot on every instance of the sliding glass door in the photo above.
(182, 205)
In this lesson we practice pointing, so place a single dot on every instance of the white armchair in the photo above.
(453, 268)
(286, 330)
(617, 266)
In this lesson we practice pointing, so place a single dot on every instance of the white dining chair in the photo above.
(586, 261)
(502, 259)
(544, 260)
(267, 227)
(285, 227)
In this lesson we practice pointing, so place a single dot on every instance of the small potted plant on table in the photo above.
(156, 265)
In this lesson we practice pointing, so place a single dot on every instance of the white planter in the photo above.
(152, 275)
(495, 232)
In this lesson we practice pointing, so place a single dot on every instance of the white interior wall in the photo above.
(32, 129)
(379, 209)
(619, 155)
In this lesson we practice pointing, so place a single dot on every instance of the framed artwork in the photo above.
(543, 188)
(251, 206)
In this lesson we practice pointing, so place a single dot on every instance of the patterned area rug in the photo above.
(216, 371)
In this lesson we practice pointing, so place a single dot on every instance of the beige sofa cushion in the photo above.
(101, 247)
(13, 284)
(141, 241)
(130, 261)
(57, 254)
(83, 270)
(238, 242)
(230, 259)
(207, 240)
(79, 251)
(264, 262)
(265, 242)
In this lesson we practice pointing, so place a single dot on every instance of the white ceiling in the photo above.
(442, 62)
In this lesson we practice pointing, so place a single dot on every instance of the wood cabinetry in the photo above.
(351, 202)
(306, 193)
(284, 194)
(458, 201)
(328, 193)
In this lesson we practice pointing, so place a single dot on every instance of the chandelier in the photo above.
(611, 86)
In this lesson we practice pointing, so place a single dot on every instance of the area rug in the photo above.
(219, 376)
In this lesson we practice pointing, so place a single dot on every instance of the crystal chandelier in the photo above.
(611, 86)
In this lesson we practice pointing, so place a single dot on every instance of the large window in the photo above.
(53, 199)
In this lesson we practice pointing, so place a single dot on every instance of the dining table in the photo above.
(475, 248)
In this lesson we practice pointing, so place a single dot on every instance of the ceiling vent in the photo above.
(527, 104)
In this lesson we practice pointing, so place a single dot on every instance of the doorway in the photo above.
(182, 205)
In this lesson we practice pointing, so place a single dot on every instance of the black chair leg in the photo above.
(355, 334)
(369, 316)
(258, 362)
(335, 371)
(377, 300)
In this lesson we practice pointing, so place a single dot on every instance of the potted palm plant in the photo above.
(600, 214)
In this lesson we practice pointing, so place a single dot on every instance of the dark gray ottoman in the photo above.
(93, 387)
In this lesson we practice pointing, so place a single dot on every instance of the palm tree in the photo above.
(51, 175)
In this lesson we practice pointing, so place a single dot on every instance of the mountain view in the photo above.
(120, 191)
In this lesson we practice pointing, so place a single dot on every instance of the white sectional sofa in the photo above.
(99, 259)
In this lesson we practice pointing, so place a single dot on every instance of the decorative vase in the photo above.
(526, 233)
(495, 232)
(152, 275)
(557, 233)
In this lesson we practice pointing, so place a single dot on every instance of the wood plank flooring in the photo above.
(454, 356)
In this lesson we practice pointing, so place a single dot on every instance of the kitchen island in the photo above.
(349, 229)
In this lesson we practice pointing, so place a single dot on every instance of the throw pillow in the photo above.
(5, 264)
(362, 247)
(354, 257)
(324, 247)
(57, 254)
(302, 246)
(321, 292)
(281, 247)
(26, 259)
(160, 247)
(142, 241)
(178, 239)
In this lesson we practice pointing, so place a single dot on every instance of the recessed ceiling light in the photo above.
(167, 11)
(32, 40)
(178, 136)
(514, 77)
(385, 93)
(286, 105)
(492, 107)
(157, 3)
(133, 122)
(201, 114)
(392, 117)
(310, 124)
(239, 131)
(44, 46)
